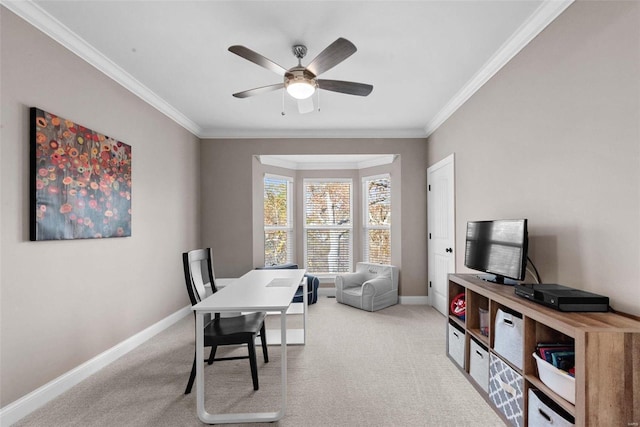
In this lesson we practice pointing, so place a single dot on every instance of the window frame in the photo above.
(290, 227)
(349, 227)
(365, 215)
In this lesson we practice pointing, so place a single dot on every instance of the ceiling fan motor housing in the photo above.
(298, 75)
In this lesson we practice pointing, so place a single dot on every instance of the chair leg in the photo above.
(263, 340)
(212, 356)
(253, 363)
(192, 377)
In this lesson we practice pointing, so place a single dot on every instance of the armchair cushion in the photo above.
(372, 287)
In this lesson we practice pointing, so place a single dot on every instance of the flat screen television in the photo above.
(498, 247)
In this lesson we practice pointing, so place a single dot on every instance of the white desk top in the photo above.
(252, 292)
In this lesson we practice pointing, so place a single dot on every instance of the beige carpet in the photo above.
(386, 368)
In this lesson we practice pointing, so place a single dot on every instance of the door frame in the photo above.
(448, 159)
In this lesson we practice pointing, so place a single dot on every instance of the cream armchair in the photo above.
(372, 287)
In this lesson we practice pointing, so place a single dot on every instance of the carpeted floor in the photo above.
(386, 368)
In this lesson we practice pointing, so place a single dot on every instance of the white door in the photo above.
(441, 231)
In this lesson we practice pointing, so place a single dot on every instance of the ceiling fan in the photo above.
(302, 82)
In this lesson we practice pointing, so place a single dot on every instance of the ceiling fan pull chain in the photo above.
(283, 102)
(318, 98)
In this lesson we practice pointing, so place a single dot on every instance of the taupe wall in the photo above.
(555, 137)
(64, 302)
(227, 190)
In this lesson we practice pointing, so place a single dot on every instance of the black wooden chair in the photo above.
(198, 272)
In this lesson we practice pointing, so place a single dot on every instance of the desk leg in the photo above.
(283, 365)
(259, 417)
(305, 308)
(200, 364)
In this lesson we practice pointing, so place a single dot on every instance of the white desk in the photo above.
(258, 290)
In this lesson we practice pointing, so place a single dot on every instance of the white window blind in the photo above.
(377, 218)
(278, 220)
(328, 226)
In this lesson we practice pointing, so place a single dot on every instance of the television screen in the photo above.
(498, 247)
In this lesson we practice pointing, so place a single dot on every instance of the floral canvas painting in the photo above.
(80, 181)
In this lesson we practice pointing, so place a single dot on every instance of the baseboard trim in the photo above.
(414, 300)
(22, 407)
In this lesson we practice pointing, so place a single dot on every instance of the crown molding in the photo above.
(45, 22)
(313, 133)
(541, 18)
(42, 20)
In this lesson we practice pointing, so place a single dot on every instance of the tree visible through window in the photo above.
(278, 220)
(328, 226)
(377, 220)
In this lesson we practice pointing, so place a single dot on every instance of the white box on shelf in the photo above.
(479, 365)
(456, 344)
(509, 337)
(556, 379)
(544, 414)
(506, 390)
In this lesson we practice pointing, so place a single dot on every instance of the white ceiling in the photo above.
(424, 58)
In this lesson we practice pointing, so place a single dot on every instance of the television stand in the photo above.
(607, 351)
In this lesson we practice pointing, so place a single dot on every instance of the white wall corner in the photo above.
(45, 22)
(548, 11)
(22, 407)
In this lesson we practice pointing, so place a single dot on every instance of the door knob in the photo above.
(448, 250)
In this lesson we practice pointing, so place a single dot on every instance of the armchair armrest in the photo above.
(377, 286)
(349, 280)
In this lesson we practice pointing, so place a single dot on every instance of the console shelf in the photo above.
(607, 352)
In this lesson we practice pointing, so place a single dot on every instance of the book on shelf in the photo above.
(560, 355)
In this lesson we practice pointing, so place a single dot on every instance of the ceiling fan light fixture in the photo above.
(300, 83)
(301, 89)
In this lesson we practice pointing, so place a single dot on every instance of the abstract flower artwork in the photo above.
(80, 181)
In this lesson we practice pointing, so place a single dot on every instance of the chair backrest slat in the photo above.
(198, 272)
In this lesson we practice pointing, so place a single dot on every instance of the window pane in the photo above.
(276, 247)
(278, 223)
(275, 202)
(328, 238)
(328, 203)
(379, 201)
(379, 246)
(328, 251)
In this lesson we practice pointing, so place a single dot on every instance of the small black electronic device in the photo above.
(497, 247)
(562, 298)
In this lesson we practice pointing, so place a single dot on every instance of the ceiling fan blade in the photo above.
(334, 54)
(350, 88)
(258, 90)
(305, 105)
(256, 58)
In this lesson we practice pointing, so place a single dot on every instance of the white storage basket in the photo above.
(456, 345)
(556, 379)
(509, 337)
(545, 414)
(479, 365)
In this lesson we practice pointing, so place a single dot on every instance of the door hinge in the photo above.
(429, 283)
(429, 187)
(429, 235)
